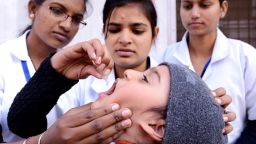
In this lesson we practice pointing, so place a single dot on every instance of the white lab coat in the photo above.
(12, 79)
(232, 66)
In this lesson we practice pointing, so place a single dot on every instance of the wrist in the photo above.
(31, 140)
(54, 62)
(40, 138)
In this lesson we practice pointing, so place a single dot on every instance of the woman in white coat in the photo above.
(54, 25)
(220, 61)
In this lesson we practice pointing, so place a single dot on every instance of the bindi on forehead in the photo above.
(123, 16)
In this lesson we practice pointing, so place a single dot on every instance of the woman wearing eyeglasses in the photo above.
(54, 25)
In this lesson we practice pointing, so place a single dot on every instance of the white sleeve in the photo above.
(250, 82)
(1, 95)
(1, 89)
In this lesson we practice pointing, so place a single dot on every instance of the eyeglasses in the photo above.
(62, 16)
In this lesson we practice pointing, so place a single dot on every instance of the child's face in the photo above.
(146, 94)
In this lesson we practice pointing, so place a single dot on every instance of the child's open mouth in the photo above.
(108, 92)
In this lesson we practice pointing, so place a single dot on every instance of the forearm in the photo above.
(248, 136)
(27, 115)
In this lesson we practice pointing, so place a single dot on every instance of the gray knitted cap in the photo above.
(193, 117)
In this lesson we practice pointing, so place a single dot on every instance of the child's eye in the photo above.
(145, 79)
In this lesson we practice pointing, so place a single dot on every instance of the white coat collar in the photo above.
(220, 50)
(19, 48)
(181, 52)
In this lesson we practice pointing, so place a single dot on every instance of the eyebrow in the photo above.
(138, 24)
(186, 1)
(65, 9)
(132, 24)
(114, 24)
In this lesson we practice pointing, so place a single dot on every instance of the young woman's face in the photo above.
(144, 93)
(129, 36)
(200, 17)
(49, 24)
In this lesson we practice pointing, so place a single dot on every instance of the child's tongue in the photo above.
(123, 142)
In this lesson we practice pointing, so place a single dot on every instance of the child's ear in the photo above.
(155, 129)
